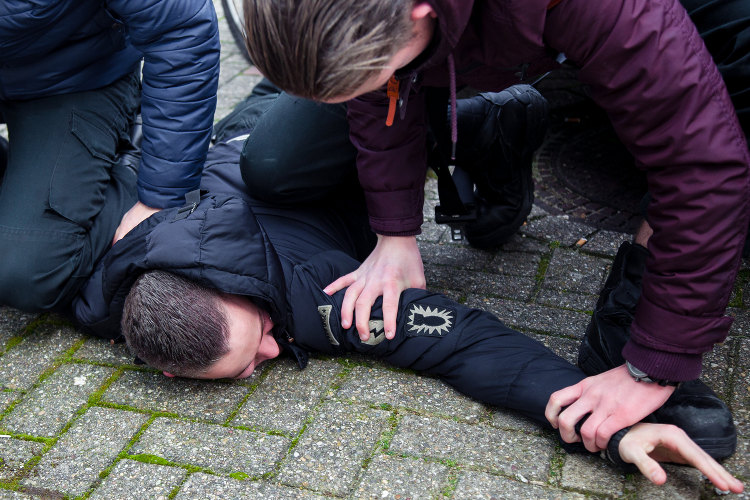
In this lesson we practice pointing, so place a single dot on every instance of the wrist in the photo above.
(640, 376)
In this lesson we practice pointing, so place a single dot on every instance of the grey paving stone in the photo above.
(591, 473)
(605, 242)
(331, 451)
(285, 397)
(718, 368)
(136, 480)
(534, 317)
(102, 351)
(232, 66)
(74, 463)
(480, 485)
(397, 478)
(740, 402)
(521, 243)
(209, 487)
(473, 282)
(538, 212)
(564, 347)
(221, 449)
(567, 300)
(21, 366)
(741, 325)
(512, 420)
(17, 495)
(14, 455)
(520, 455)
(556, 228)
(378, 385)
(6, 398)
(47, 408)
(12, 323)
(682, 483)
(516, 264)
(213, 401)
(432, 233)
(575, 272)
(457, 256)
(234, 91)
(739, 463)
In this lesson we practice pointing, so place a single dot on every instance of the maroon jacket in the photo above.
(648, 68)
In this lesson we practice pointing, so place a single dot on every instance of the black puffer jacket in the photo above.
(283, 258)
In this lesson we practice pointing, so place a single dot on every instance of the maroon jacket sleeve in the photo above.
(649, 69)
(391, 161)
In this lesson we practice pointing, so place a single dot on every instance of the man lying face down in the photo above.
(213, 289)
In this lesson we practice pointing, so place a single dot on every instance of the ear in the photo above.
(422, 10)
(167, 374)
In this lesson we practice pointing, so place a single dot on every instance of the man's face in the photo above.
(424, 27)
(250, 340)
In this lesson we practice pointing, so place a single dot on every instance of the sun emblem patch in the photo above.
(429, 321)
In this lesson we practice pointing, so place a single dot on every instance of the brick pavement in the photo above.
(79, 420)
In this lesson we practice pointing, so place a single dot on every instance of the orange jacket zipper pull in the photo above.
(392, 92)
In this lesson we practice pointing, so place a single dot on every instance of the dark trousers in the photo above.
(62, 194)
(298, 151)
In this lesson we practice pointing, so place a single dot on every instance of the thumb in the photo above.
(649, 467)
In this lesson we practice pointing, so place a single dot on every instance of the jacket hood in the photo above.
(452, 18)
(204, 246)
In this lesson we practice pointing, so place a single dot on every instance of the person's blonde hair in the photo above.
(325, 49)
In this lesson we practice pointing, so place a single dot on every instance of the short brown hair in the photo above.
(325, 49)
(174, 324)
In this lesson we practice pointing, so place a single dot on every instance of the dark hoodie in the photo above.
(648, 68)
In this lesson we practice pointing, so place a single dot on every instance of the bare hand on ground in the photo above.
(645, 445)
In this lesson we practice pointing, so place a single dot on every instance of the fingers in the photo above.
(590, 431)
(391, 295)
(681, 444)
(350, 299)
(646, 443)
(558, 400)
(340, 284)
(362, 313)
(605, 430)
(649, 467)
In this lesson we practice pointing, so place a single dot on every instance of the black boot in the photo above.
(505, 129)
(609, 328)
(693, 406)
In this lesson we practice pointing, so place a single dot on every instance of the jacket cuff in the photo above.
(396, 213)
(613, 452)
(672, 346)
(672, 366)
(174, 198)
(399, 233)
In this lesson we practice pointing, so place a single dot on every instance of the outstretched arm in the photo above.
(645, 445)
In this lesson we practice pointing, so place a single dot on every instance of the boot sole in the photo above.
(718, 448)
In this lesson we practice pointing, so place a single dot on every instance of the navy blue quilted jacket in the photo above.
(50, 47)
